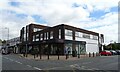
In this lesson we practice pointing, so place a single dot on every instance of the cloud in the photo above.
(53, 12)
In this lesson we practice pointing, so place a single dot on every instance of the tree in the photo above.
(4, 42)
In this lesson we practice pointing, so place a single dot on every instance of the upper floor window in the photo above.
(86, 36)
(78, 34)
(27, 36)
(41, 36)
(51, 35)
(24, 37)
(95, 37)
(24, 30)
(47, 35)
(59, 33)
(37, 36)
(44, 36)
(33, 38)
(36, 29)
(68, 32)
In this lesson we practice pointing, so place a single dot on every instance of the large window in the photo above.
(36, 29)
(33, 38)
(27, 32)
(68, 48)
(80, 48)
(51, 35)
(27, 36)
(37, 37)
(44, 36)
(24, 33)
(86, 36)
(95, 37)
(59, 33)
(41, 36)
(78, 34)
(47, 35)
(68, 34)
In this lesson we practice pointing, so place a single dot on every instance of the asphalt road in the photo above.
(15, 62)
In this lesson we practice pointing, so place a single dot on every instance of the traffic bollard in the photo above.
(89, 54)
(93, 54)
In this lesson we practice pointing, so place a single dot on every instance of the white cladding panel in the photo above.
(92, 48)
(91, 45)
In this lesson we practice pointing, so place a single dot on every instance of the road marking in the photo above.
(5, 57)
(86, 63)
(94, 68)
(37, 68)
(28, 65)
(19, 62)
(10, 59)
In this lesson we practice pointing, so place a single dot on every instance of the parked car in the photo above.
(105, 53)
(113, 52)
(118, 52)
(3, 52)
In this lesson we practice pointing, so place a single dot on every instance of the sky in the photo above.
(100, 16)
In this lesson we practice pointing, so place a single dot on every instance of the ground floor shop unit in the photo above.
(59, 47)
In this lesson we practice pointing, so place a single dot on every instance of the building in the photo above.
(59, 39)
(13, 44)
(26, 36)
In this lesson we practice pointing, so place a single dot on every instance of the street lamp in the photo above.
(7, 40)
(8, 32)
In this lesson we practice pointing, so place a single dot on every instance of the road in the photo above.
(15, 62)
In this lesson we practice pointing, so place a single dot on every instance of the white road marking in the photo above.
(94, 68)
(5, 57)
(10, 59)
(86, 63)
(37, 68)
(19, 62)
(28, 65)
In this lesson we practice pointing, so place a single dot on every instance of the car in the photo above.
(118, 52)
(3, 52)
(113, 52)
(105, 53)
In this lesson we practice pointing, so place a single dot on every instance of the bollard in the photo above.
(78, 55)
(66, 56)
(89, 54)
(58, 56)
(40, 56)
(48, 56)
(34, 56)
(37, 54)
(23, 54)
(96, 54)
(26, 55)
(93, 54)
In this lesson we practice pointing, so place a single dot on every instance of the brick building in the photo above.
(59, 39)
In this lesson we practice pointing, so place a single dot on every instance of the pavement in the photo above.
(15, 62)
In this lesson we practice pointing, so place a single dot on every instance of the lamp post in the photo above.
(7, 40)
(8, 32)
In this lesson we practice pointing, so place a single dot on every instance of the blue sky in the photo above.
(96, 16)
(15, 4)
